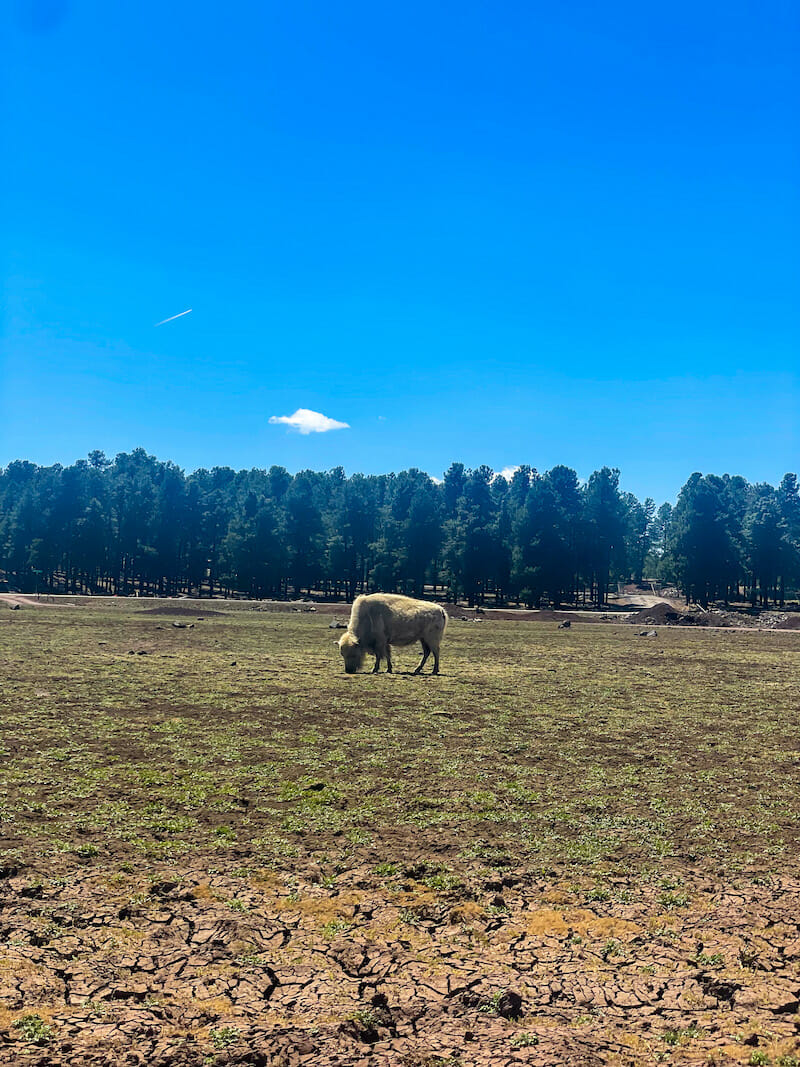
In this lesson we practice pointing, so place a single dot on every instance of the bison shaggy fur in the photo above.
(381, 620)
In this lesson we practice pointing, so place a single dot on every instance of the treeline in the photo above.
(136, 524)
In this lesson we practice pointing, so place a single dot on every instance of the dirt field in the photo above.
(575, 846)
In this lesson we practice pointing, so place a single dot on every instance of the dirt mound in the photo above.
(458, 611)
(194, 608)
(522, 614)
(667, 615)
(773, 620)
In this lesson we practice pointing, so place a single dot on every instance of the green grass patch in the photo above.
(593, 751)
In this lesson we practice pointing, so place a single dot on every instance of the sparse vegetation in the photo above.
(335, 928)
(673, 900)
(224, 1036)
(589, 805)
(681, 1037)
(386, 870)
(368, 1018)
(33, 1029)
(748, 956)
(714, 959)
(610, 949)
(523, 1041)
(491, 1005)
(545, 791)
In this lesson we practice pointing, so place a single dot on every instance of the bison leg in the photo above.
(383, 652)
(425, 653)
(436, 661)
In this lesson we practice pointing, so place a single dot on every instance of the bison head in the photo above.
(352, 652)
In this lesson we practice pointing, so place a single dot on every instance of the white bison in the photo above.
(383, 619)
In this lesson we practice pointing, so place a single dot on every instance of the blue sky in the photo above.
(487, 232)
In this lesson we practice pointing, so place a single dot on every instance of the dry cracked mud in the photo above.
(403, 967)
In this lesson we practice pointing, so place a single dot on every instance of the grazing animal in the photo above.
(381, 620)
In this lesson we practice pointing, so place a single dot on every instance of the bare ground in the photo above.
(416, 944)
(520, 968)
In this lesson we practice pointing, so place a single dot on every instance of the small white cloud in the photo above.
(309, 422)
(507, 473)
(437, 481)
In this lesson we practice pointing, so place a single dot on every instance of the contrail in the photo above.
(178, 316)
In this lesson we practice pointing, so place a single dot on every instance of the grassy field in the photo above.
(600, 824)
